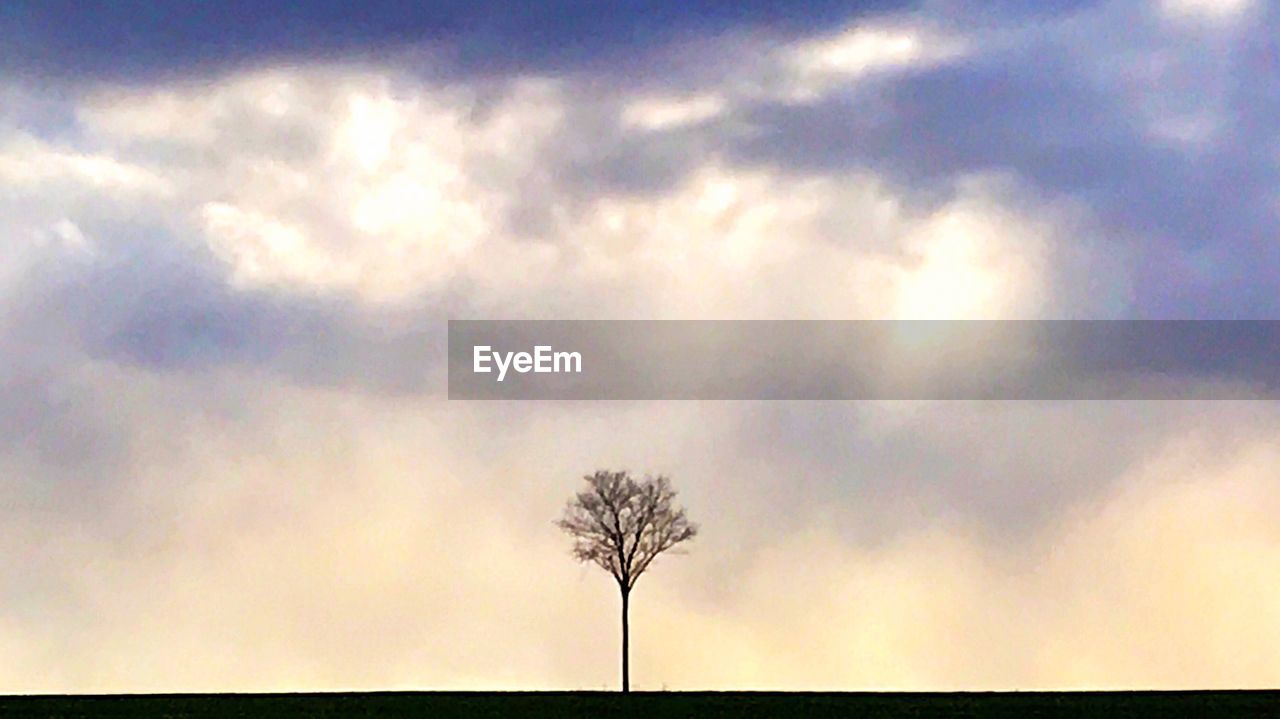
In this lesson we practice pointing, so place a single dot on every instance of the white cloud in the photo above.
(664, 113)
(1211, 11)
(823, 64)
(29, 164)
(377, 187)
(974, 259)
(332, 180)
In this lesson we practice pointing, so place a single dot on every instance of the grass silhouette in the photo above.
(653, 704)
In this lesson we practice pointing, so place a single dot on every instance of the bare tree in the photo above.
(623, 525)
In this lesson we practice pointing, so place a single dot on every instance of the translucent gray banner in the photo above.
(827, 360)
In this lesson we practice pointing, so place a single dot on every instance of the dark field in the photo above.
(665, 704)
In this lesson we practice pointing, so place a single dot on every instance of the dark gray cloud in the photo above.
(133, 41)
(1065, 114)
(1160, 134)
(171, 314)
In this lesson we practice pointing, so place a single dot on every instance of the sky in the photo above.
(230, 239)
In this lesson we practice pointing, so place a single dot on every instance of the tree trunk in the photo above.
(626, 645)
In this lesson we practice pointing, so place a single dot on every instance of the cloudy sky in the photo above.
(230, 239)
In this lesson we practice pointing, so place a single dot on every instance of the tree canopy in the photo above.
(622, 524)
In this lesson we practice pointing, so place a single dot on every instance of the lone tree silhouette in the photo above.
(622, 525)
